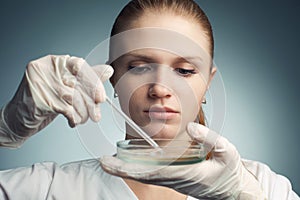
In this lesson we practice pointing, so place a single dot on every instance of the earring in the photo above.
(203, 100)
(115, 94)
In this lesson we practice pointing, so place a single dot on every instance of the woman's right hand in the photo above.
(55, 85)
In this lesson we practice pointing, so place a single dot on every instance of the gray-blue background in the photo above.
(256, 52)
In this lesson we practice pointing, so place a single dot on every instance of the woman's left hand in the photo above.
(222, 176)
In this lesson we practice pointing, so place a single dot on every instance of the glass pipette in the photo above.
(131, 123)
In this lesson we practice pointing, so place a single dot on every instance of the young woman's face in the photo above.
(161, 88)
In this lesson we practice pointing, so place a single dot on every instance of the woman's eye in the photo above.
(185, 72)
(139, 69)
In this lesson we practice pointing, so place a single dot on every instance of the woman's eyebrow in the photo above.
(139, 56)
(189, 59)
(151, 59)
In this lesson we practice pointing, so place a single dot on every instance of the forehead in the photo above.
(184, 25)
(148, 39)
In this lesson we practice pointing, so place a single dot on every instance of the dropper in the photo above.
(131, 123)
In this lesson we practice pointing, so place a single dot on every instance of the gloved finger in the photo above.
(60, 62)
(91, 79)
(88, 79)
(94, 112)
(69, 112)
(79, 106)
(155, 174)
(82, 104)
(117, 167)
(92, 109)
(72, 116)
(69, 80)
(184, 179)
(207, 137)
(88, 85)
(221, 148)
(74, 65)
(65, 105)
(104, 72)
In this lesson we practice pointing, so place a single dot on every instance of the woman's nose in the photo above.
(161, 82)
(159, 91)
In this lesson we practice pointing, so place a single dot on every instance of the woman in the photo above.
(160, 81)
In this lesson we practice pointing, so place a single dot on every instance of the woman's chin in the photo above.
(159, 131)
(163, 132)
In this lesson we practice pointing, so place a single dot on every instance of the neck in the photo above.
(150, 192)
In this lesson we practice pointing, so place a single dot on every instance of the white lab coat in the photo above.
(85, 180)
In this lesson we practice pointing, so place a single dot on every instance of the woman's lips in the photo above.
(162, 113)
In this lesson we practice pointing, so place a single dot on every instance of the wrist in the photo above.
(7, 137)
(22, 115)
(24, 119)
(11, 121)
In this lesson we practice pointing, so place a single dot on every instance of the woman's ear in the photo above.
(211, 75)
(111, 79)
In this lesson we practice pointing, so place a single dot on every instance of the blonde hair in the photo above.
(186, 8)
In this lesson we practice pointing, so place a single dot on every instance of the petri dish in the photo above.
(171, 152)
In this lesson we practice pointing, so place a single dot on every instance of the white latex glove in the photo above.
(222, 176)
(52, 85)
